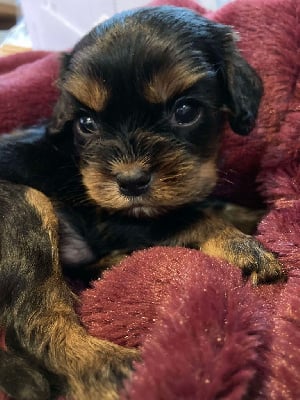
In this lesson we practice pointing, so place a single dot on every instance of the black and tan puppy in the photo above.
(127, 161)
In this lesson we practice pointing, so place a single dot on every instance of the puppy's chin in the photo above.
(165, 194)
(140, 211)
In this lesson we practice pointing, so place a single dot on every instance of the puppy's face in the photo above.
(144, 95)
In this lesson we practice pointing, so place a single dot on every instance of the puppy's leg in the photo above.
(38, 307)
(218, 238)
(243, 250)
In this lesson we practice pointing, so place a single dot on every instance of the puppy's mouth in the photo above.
(135, 189)
(134, 185)
(139, 192)
(142, 207)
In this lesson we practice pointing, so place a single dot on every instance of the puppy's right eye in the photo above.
(186, 112)
(86, 124)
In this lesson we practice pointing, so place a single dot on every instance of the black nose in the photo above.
(134, 183)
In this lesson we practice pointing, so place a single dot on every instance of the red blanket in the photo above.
(204, 334)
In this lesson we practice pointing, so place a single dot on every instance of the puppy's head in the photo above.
(145, 94)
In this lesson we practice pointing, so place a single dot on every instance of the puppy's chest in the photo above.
(84, 240)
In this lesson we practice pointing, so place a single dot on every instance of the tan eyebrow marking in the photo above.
(90, 92)
(171, 81)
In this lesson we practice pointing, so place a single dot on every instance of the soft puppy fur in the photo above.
(128, 161)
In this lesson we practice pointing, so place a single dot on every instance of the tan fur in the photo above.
(121, 167)
(44, 208)
(191, 179)
(217, 238)
(67, 349)
(169, 82)
(92, 93)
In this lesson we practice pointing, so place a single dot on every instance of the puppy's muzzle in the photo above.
(134, 182)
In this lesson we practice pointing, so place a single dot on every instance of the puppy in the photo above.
(128, 161)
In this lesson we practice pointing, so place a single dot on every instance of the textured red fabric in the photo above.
(207, 342)
(27, 89)
(203, 332)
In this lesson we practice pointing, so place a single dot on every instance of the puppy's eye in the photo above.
(186, 112)
(86, 124)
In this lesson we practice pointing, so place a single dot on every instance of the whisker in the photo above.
(171, 177)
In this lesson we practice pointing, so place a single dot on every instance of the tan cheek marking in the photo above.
(208, 172)
(94, 94)
(190, 181)
(44, 208)
(169, 188)
(91, 180)
(101, 189)
(168, 82)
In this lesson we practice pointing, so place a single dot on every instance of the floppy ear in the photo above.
(243, 88)
(63, 111)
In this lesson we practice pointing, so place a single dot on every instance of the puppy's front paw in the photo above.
(255, 261)
(247, 253)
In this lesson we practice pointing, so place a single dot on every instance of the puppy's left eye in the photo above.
(86, 124)
(186, 112)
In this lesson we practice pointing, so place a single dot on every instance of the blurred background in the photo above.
(58, 24)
